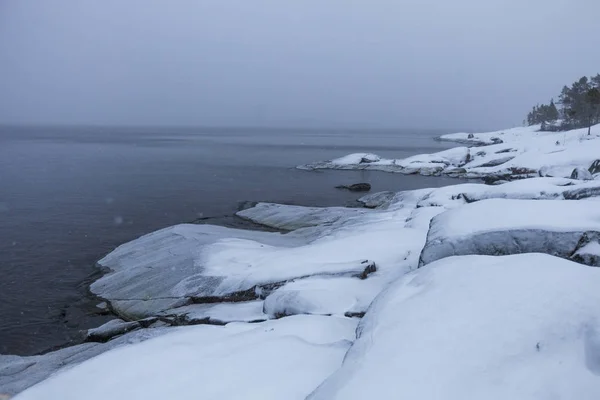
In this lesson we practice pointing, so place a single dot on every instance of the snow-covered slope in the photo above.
(284, 359)
(478, 327)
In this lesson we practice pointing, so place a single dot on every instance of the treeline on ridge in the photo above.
(578, 107)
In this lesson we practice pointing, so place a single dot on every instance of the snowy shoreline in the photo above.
(509, 154)
(451, 283)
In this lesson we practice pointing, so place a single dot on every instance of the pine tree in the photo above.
(593, 107)
(552, 111)
(579, 106)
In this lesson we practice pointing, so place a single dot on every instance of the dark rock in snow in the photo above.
(369, 159)
(496, 162)
(581, 193)
(595, 167)
(505, 151)
(581, 174)
(357, 187)
(370, 267)
(470, 136)
(496, 140)
(588, 249)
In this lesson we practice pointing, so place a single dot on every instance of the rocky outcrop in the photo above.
(595, 167)
(111, 329)
(582, 174)
(502, 227)
(289, 218)
(376, 200)
(356, 187)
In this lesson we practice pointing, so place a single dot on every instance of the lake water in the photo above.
(68, 196)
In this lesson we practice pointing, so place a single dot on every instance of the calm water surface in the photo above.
(70, 195)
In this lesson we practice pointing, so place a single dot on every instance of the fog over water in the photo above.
(316, 63)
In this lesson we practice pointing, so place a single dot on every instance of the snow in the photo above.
(590, 248)
(500, 226)
(161, 270)
(478, 327)
(461, 326)
(219, 313)
(426, 164)
(357, 158)
(283, 359)
(289, 217)
(18, 373)
(516, 134)
(582, 174)
(521, 152)
(324, 296)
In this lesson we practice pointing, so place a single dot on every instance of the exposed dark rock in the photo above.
(470, 136)
(465, 198)
(492, 179)
(243, 295)
(581, 174)
(519, 173)
(496, 162)
(354, 314)
(455, 172)
(582, 254)
(357, 187)
(496, 140)
(369, 159)
(505, 151)
(370, 267)
(595, 167)
(244, 205)
(480, 153)
(581, 193)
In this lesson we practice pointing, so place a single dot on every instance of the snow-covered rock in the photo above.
(186, 264)
(110, 329)
(217, 313)
(500, 227)
(18, 373)
(375, 200)
(283, 359)
(581, 174)
(164, 269)
(478, 327)
(287, 217)
(323, 296)
(516, 153)
(533, 189)
(425, 164)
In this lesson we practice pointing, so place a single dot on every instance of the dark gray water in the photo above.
(68, 196)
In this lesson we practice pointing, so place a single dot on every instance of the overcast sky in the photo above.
(330, 63)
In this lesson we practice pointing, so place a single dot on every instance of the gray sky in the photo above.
(331, 63)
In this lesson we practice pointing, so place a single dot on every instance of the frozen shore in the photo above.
(465, 291)
(509, 154)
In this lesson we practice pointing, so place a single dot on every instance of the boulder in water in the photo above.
(357, 187)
